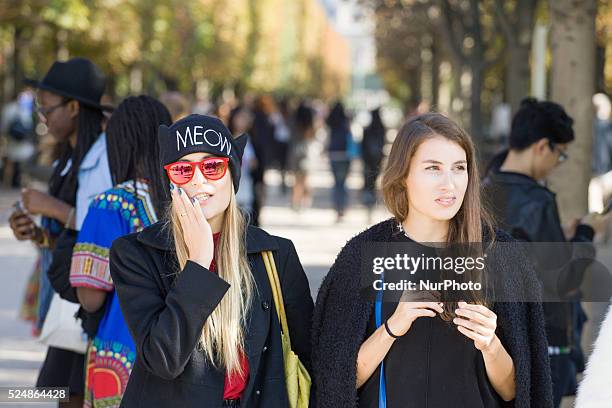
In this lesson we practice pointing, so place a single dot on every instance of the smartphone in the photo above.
(19, 206)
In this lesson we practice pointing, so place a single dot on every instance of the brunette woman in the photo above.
(434, 352)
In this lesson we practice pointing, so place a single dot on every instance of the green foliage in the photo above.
(153, 46)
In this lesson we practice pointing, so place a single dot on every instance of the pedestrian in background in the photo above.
(240, 121)
(372, 154)
(300, 159)
(68, 103)
(131, 205)
(340, 150)
(515, 189)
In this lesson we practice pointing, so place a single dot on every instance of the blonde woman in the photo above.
(194, 290)
(435, 352)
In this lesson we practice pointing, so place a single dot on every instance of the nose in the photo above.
(198, 177)
(448, 182)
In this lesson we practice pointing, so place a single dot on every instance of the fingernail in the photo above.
(171, 186)
(180, 190)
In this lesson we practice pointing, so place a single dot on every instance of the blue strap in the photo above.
(382, 395)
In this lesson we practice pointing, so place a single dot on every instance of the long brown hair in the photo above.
(472, 220)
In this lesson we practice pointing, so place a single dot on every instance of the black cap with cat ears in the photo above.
(201, 133)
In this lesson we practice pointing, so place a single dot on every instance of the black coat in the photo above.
(165, 313)
(528, 211)
(341, 317)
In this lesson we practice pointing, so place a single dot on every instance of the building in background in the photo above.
(356, 23)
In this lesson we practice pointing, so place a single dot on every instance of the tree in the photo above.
(470, 38)
(573, 85)
(150, 47)
(399, 32)
(516, 21)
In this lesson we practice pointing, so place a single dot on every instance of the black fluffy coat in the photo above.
(341, 316)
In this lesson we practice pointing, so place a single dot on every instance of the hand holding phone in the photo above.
(22, 225)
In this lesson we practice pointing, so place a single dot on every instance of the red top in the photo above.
(235, 384)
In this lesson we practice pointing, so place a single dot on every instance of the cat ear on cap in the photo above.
(241, 142)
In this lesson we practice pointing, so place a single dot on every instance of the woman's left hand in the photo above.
(476, 322)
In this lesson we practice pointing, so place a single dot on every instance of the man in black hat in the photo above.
(68, 103)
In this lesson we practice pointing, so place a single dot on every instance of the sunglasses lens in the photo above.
(180, 173)
(213, 169)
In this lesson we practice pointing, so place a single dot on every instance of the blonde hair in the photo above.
(222, 338)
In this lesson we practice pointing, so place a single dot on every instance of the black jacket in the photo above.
(528, 211)
(341, 317)
(165, 313)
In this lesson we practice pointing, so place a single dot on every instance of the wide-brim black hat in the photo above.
(78, 79)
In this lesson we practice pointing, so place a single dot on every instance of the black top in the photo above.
(432, 365)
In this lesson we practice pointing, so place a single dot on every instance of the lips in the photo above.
(446, 201)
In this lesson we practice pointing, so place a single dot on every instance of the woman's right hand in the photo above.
(407, 312)
(196, 229)
(22, 225)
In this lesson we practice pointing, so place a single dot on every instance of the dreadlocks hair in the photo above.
(89, 127)
(131, 140)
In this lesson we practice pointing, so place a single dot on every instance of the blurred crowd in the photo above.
(287, 134)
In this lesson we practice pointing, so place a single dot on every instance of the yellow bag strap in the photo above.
(277, 293)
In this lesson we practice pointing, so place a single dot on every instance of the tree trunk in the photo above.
(252, 42)
(457, 101)
(477, 71)
(573, 85)
(538, 62)
(435, 73)
(519, 49)
(414, 81)
(477, 66)
(517, 75)
(16, 61)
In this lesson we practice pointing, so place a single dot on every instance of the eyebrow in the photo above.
(437, 162)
